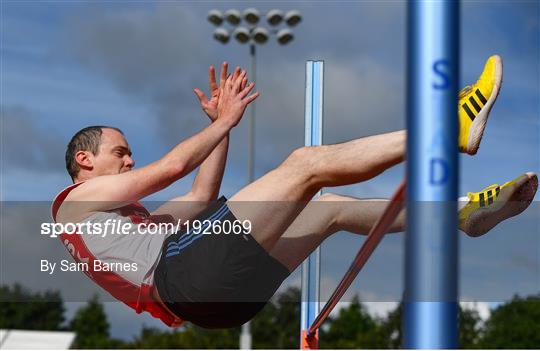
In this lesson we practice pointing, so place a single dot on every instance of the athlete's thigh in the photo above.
(271, 203)
(307, 232)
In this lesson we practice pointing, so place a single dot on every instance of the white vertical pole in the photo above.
(313, 137)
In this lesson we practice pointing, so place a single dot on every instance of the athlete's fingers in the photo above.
(238, 81)
(200, 95)
(220, 94)
(248, 100)
(236, 73)
(223, 77)
(246, 90)
(212, 79)
(228, 82)
(243, 80)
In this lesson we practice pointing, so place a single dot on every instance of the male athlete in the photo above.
(224, 279)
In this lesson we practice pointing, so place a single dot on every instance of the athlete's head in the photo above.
(98, 150)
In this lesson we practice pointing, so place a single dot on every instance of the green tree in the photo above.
(187, 337)
(277, 326)
(352, 328)
(514, 324)
(470, 328)
(22, 309)
(91, 325)
(389, 334)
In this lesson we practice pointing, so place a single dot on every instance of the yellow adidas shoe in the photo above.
(487, 208)
(475, 102)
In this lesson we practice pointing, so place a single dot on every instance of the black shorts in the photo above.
(216, 280)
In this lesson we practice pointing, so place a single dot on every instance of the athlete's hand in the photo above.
(234, 97)
(210, 106)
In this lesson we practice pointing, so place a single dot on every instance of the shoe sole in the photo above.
(479, 123)
(485, 219)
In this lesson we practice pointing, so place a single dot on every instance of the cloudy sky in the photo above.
(66, 65)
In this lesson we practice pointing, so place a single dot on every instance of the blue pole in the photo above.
(431, 242)
(313, 115)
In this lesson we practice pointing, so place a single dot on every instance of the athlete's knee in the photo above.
(301, 166)
(299, 155)
(294, 161)
(303, 158)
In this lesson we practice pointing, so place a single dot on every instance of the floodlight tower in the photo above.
(246, 29)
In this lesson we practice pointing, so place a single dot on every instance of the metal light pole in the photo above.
(253, 34)
(251, 130)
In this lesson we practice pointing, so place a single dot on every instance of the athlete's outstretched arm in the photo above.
(112, 191)
(208, 180)
(209, 177)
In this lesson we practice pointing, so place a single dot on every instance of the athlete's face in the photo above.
(114, 154)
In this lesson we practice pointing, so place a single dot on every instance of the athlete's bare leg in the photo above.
(273, 202)
(324, 216)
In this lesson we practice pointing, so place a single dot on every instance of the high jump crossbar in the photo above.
(430, 298)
